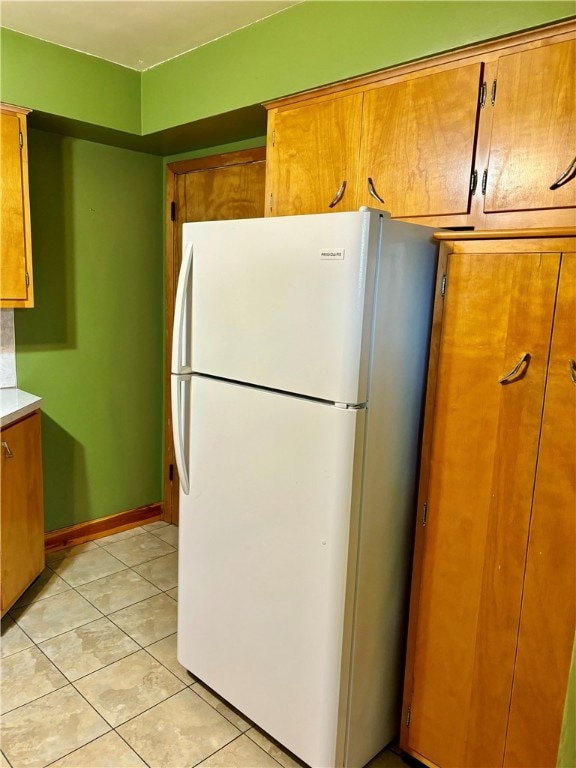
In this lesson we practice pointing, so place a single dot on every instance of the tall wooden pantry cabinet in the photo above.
(493, 604)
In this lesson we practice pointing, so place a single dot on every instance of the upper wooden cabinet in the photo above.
(16, 254)
(473, 139)
(533, 142)
(418, 143)
(314, 150)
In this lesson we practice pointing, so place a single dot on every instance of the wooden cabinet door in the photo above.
(14, 285)
(549, 602)
(534, 130)
(483, 453)
(313, 157)
(22, 509)
(418, 143)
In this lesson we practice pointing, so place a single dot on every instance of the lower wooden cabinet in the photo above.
(493, 606)
(22, 509)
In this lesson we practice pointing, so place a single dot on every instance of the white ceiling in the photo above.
(134, 33)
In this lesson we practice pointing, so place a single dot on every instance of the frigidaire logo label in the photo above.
(332, 254)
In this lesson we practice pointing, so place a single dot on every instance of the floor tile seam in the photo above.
(227, 744)
(149, 560)
(44, 695)
(59, 634)
(6, 758)
(222, 714)
(138, 602)
(24, 632)
(128, 568)
(148, 709)
(76, 557)
(39, 598)
(66, 682)
(110, 663)
(123, 658)
(270, 739)
(82, 746)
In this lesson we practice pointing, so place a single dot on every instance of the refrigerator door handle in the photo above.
(182, 332)
(181, 386)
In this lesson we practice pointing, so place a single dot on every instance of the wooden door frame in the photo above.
(172, 266)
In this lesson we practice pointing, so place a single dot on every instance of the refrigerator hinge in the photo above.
(171, 472)
(443, 287)
(408, 717)
(424, 512)
(349, 407)
(172, 211)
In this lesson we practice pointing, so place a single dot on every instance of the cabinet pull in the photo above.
(372, 191)
(514, 372)
(7, 450)
(339, 195)
(566, 176)
(572, 366)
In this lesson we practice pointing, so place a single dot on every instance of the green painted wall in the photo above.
(60, 81)
(311, 44)
(92, 346)
(567, 748)
(322, 42)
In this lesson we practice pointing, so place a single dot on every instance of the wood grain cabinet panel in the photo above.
(418, 144)
(549, 601)
(233, 192)
(471, 139)
(493, 598)
(533, 138)
(22, 509)
(313, 152)
(16, 257)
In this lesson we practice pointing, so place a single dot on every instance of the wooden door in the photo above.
(14, 286)
(313, 157)
(549, 602)
(484, 444)
(534, 131)
(229, 186)
(418, 144)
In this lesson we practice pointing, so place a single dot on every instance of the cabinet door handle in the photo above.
(566, 176)
(514, 372)
(372, 191)
(339, 195)
(572, 366)
(7, 450)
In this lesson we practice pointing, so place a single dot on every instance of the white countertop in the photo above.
(15, 403)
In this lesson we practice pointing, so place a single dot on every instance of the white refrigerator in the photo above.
(299, 358)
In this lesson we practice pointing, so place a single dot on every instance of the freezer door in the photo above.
(286, 302)
(264, 538)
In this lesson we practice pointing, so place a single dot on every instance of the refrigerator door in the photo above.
(286, 302)
(264, 538)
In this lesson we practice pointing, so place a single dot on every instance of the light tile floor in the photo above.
(89, 676)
